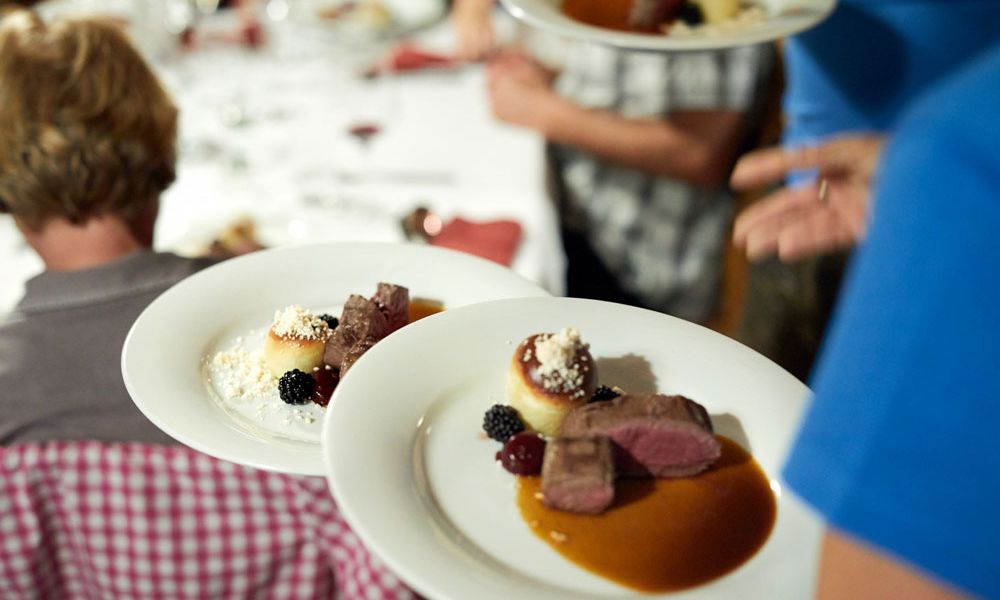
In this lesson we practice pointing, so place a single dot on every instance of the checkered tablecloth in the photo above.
(104, 521)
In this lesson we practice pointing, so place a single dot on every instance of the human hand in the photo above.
(472, 21)
(797, 222)
(519, 90)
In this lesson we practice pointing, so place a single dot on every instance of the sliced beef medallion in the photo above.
(355, 353)
(653, 434)
(365, 321)
(394, 301)
(578, 474)
(361, 322)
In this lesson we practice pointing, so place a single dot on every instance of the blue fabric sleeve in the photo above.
(859, 69)
(900, 446)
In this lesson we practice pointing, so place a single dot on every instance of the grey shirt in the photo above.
(60, 351)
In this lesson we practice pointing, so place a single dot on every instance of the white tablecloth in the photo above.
(263, 134)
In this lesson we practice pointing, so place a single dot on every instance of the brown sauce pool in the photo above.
(421, 307)
(665, 534)
(609, 14)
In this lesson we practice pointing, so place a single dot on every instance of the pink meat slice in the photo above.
(653, 434)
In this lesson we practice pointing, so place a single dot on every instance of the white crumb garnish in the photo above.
(298, 323)
(243, 374)
(562, 361)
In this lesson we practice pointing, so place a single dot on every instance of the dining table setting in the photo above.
(269, 152)
(390, 266)
(360, 299)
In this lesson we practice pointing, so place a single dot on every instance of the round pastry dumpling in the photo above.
(296, 340)
(718, 11)
(549, 375)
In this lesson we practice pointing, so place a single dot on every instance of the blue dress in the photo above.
(900, 446)
(861, 67)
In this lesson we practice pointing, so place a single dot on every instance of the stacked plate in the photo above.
(400, 441)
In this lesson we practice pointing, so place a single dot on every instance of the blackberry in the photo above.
(501, 422)
(296, 387)
(691, 14)
(331, 320)
(603, 393)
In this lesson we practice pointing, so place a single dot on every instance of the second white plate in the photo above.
(416, 480)
(164, 357)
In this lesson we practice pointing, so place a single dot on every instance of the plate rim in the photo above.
(662, 43)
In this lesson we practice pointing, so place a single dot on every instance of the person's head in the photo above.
(86, 130)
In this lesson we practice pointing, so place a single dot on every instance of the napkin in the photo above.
(492, 240)
(407, 57)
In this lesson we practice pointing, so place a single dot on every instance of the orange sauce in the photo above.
(664, 534)
(421, 307)
(609, 14)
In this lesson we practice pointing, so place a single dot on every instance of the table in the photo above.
(263, 134)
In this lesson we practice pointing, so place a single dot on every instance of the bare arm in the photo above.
(851, 571)
(692, 146)
(697, 147)
(472, 21)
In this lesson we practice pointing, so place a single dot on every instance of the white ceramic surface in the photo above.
(162, 360)
(784, 18)
(406, 16)
(416, 480)
(281, 167)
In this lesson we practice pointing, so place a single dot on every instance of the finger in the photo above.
(855, 155)
(496, 72)
(851, 201)
(763, 240)
(815, 233)
(497, 61)
(761, 243)
(773, 206)
(770, 165)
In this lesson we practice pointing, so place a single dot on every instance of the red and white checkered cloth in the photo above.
(96, 521)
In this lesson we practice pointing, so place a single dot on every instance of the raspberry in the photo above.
(326, 382)
(295, 387)
(523, 453)
(501, 422)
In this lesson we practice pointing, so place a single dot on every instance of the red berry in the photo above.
(522, 454)
(326, 382)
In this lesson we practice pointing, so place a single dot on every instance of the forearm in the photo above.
(655, 146)
(849, 570)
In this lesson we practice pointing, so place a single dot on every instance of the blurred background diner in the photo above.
(96, 501)
(144, 140)
(370, 121)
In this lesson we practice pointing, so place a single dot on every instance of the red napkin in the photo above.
(493, 240)
(406, 57)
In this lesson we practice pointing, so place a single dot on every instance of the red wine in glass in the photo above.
(364, 132)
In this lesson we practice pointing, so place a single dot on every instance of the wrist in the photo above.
(472, 8)
(549, 110)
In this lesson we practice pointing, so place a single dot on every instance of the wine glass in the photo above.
(370, 103)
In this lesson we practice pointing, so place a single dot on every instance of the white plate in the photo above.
(418, 483)
(162, 360)
(407, 16)
(784, 18)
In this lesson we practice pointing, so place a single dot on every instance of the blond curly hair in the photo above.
(86, 128)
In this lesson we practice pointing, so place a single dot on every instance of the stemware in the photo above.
(369, 105)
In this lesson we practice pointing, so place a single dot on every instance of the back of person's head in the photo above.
(86, 129)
